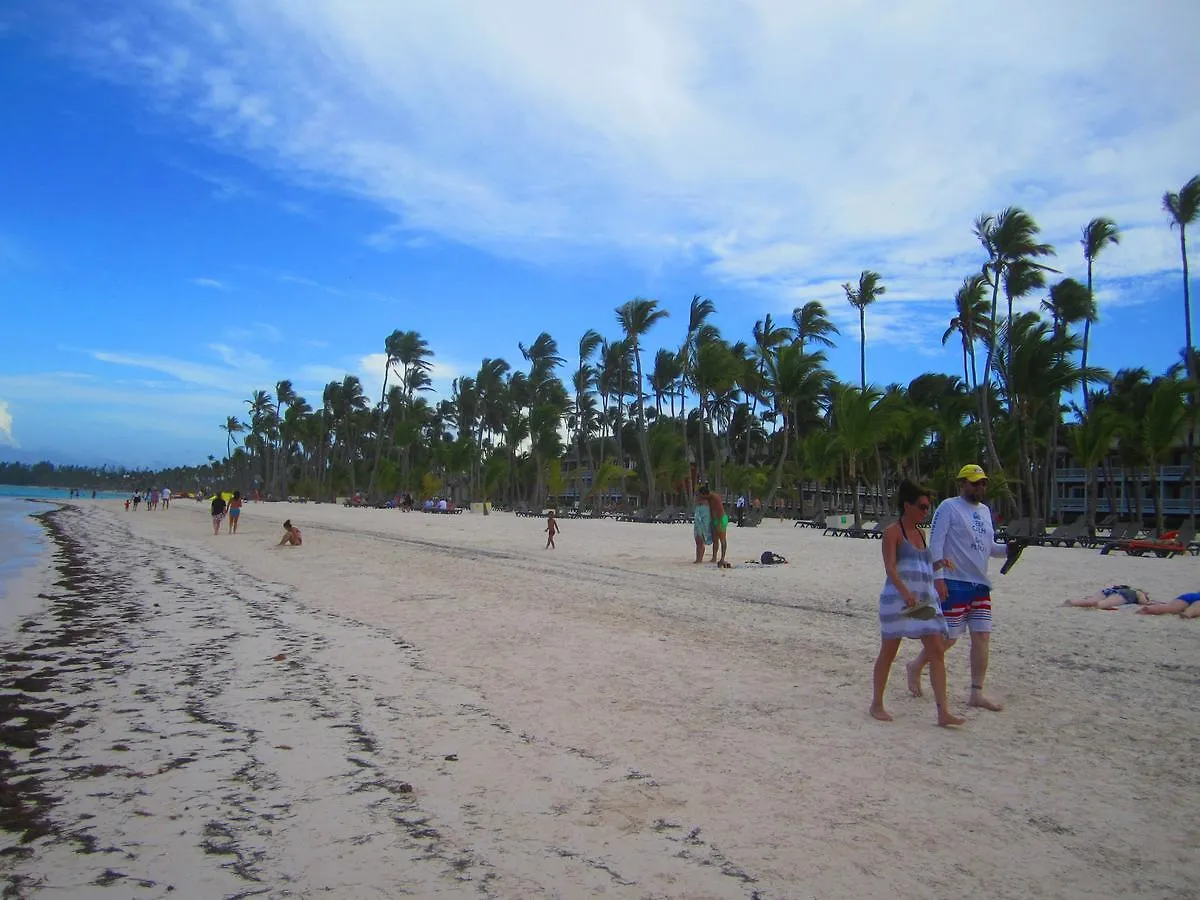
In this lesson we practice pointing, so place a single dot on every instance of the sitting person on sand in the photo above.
(1185, 605)
(291, 535)
(1112, 598)
(908, 604)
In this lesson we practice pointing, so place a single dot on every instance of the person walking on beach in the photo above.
(720, 528)
(740, 506)
(166, 498)
(291, 535)
(218, 512)
(702, 522)
(908, 606)
(235, 511)
(551, 530)
(962, 540)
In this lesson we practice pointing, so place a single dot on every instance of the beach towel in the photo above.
(702, 527)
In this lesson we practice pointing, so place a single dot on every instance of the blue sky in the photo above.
(198, 199)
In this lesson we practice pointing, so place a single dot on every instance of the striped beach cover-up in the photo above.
(915, 568)
(702, 527)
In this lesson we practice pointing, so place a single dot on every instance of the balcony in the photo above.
(1165, 473)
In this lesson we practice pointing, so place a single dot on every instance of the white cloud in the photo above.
(783, 144)
(6, 425)
(212, 283)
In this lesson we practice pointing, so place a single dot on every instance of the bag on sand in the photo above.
(770, 558)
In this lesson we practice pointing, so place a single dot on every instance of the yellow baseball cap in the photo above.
(972, 473)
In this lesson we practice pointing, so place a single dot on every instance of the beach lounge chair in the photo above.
(1068, 535)
(1172, 543)
(752, 519)
(1122, 533)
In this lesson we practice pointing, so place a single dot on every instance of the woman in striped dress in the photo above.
(908, 605)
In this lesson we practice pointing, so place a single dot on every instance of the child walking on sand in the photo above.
(551, 530)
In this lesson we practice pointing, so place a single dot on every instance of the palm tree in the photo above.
(637, 317)
(1163, 423)
(812, 324)
(1090, 442)
(860, 422)
(767, 338)
(391, 350)
(1099, 233)
(1007, 237)
(795, 381)
(1184, 209)
(231, 427)
(698, 331)
(869, 289)
(971, 322)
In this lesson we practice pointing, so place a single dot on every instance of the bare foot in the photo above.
(977, 699)
(914, 679)
(949, 720)
(878, 712)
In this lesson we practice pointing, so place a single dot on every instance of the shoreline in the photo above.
(604, 718)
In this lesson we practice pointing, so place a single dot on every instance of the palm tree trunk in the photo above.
(862, 350)
(984, 400)
(1087, 334)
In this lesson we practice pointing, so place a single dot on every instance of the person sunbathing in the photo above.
(1112, 598)
(1185, 605)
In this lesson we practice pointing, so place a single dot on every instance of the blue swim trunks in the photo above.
(1189, 599)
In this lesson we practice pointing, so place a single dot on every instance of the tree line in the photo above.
(762, 413)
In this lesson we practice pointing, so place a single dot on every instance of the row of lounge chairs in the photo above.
(1125, 537)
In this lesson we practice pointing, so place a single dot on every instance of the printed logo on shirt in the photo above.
(977, 532)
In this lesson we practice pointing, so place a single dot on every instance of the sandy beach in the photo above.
(436, 706)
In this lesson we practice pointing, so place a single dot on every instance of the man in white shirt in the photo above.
(740, 506)
(166, 498)
(961, 541)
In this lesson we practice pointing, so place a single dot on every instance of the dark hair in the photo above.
(910, 492)
(237, 494)
(288, 524)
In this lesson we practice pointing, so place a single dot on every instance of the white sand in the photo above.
(626, 723)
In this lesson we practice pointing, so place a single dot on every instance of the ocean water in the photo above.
(24, 544)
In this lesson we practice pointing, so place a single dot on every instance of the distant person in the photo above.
(93, 493)
(218, 512)
(962, 540)
(291, 536)
(235, 511)
(1113, 597)
(137, 499)
(126, 504)
(166, 498)
(551, 530)
(720, 529)
(1185, 605)
(908, 603)
(740, 506)
(702, 522)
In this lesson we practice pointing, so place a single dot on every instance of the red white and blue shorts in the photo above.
(968, 606)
